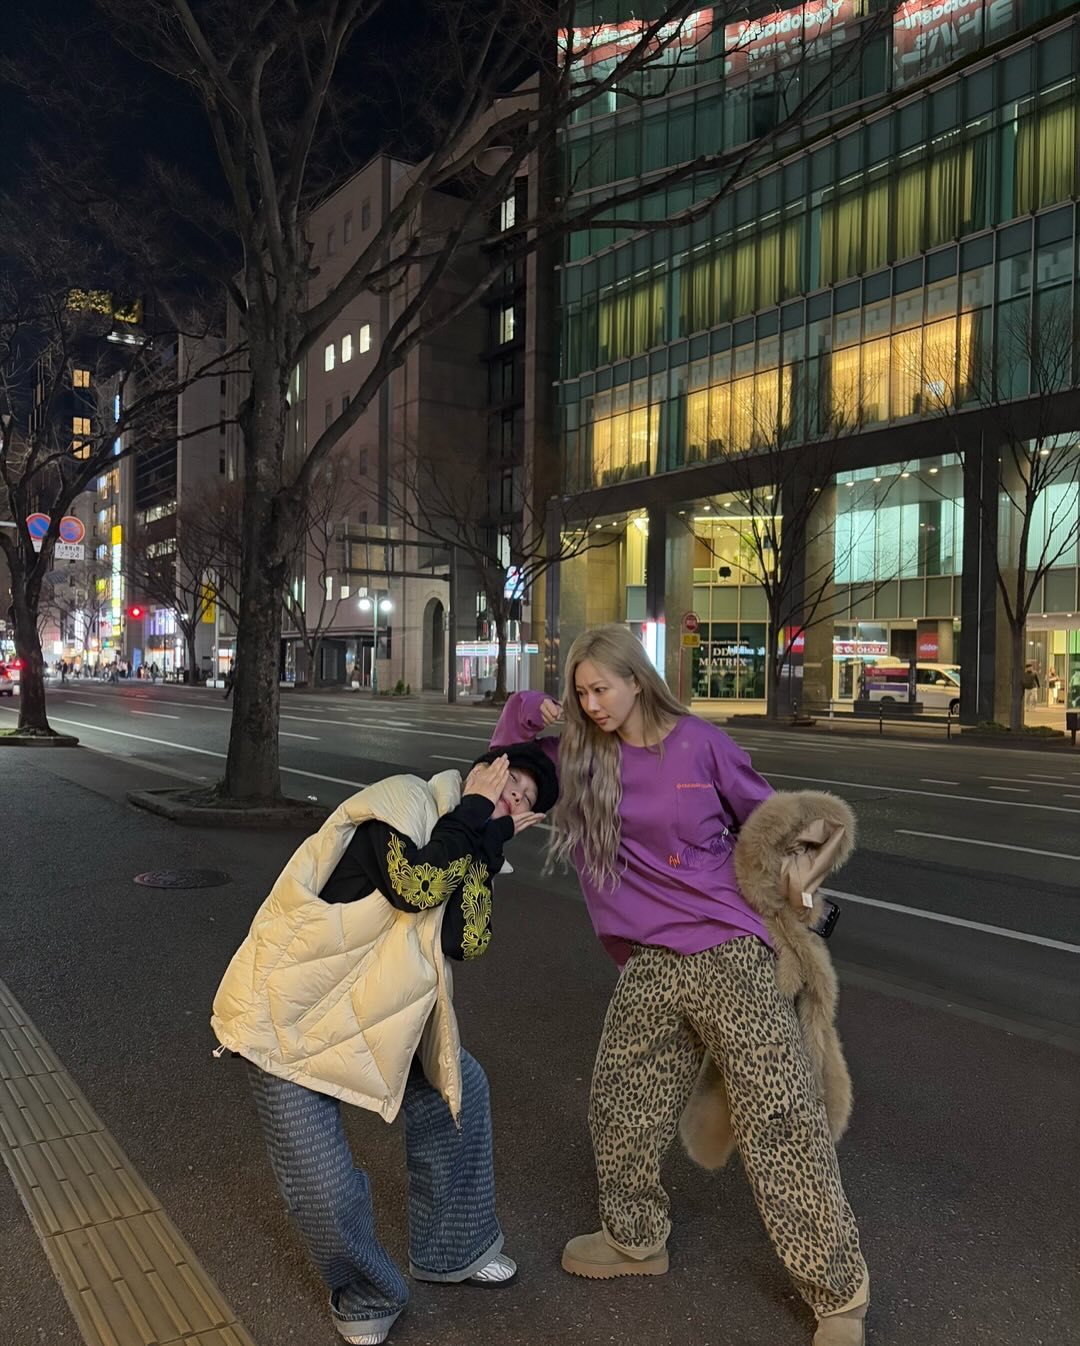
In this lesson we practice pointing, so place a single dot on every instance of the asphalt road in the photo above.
(958, 1161)
(964, 885)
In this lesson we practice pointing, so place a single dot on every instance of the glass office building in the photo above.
(893, 273)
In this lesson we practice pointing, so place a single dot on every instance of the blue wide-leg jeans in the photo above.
(453, 1230)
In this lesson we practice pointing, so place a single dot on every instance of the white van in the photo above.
(937, 686)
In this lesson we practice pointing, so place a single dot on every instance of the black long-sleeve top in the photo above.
(456, 866)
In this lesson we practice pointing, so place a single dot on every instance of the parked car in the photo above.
(9, 678)
(937, 686)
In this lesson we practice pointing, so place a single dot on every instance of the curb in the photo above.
(822, 726)
(38, 741)
(165, 804)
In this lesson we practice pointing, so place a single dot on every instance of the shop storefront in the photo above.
(1053, 650)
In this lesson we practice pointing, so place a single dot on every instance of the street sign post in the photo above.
(69, 551)
(690, 640)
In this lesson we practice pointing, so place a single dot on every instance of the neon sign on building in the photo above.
(786, 35)
(614, 41)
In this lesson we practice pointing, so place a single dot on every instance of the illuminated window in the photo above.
(328, 357)
(506, 324)
(508, 212)
(81, 378)
(365, 338)
(80, 425)
(346, 348)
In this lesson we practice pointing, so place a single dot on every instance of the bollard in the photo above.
(881, 718)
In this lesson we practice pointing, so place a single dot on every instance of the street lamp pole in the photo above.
(375, 603)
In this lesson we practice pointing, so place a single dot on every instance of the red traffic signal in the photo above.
(135, 612)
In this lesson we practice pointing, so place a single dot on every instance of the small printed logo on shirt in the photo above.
(694, 785)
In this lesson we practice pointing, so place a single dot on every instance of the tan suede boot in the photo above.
(843, 1329)
(593, 1256)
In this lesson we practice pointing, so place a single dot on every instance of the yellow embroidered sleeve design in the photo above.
(476, 908)
(422, 885)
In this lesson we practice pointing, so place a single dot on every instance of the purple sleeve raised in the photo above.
(521, 721)
(740, 786)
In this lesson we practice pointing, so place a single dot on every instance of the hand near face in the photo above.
(550, 711)
(524, 820)
(488, 779)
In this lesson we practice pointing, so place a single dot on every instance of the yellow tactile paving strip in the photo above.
(128, 1275)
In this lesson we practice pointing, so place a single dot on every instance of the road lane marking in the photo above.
(424, 733)
(203, 752)
(928, 794)
(436, 758)
(999, 930)
(997, 845)
(72, 702)
(156, 715)
(1010, 789)
(1010, 780)
(1037, 775)
(311, 738)
(930, 780)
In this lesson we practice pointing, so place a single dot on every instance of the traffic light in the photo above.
(135, 612)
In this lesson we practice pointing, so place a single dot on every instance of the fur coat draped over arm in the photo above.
(786, 848)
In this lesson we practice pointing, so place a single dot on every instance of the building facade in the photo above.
(377, 599)
(877, 315)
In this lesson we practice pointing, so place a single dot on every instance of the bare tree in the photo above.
(506, 548)
(1030, 502)
(271, 82)
(781, 511)
(76, 597)
(55, 338)
(310, 598)
(190, 573)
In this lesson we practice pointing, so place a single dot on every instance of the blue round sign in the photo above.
(37, 525)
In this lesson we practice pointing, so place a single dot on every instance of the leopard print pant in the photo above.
(668, 1008)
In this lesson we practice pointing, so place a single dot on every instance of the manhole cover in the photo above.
(182, 878)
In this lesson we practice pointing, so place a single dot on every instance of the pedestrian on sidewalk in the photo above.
(341, 992)
(651, 800)
(1031, 685)
(230, 679)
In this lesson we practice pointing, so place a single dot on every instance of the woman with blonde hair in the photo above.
(651, 800)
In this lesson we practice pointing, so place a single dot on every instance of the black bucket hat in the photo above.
(532, 758)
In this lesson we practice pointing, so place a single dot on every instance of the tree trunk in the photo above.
(499, 693)
(313, 656)
(252, 767)
(772, 690)
(1017, 691)
(193, 671)
(32, 716)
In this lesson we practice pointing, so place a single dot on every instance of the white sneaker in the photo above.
(373, 1333)
(501, 1270)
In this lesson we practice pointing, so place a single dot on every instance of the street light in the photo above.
(384, 605)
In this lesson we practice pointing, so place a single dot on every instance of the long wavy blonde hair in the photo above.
(585, 823)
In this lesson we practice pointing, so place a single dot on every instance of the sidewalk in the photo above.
(957, 1162)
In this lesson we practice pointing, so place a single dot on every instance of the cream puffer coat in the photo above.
(339, 997)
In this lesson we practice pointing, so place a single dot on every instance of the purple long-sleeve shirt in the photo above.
(680, 813)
